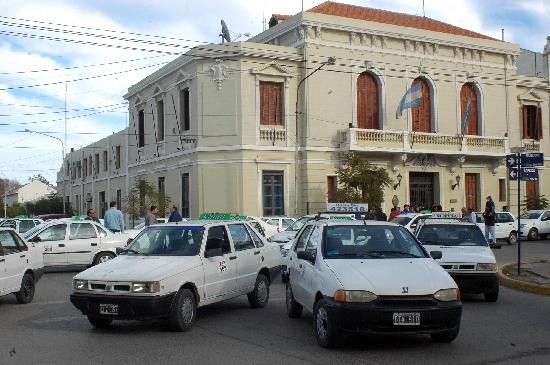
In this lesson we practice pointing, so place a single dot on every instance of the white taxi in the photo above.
(169, 270)
(20, 266)
(369, 277)
(70, 242)
(410, 220)
(506, 226)
(21, 225)
(535, 224)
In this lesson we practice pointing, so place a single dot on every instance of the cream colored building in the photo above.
(259, 127)
(35, 190)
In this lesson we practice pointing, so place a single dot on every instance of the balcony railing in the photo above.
(356, 139)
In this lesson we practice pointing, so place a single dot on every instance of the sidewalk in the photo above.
(534, 278)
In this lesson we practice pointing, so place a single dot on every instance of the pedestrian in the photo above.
(406, 209)
(491, 203)
(464, 212)
(380, 215)
(490, 219)
(152, 216)
(113, 218)
(175, 216)
(472, 218)
(91, 216)
(394, 212)
(505, 208)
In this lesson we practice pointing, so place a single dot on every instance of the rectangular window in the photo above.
(160, 120)
(273, 193)
(501, 190)
(96, 171)
(119, 198)
(105, 161)
(79, 169)
(532, 122)
(331, 188)
(91, 169)
(141, 128)
(102, 204)
(185, 195)
(85, 167)
(184, 109)
(161, 187)
(271, 103)
(68, 164)
(117, 157)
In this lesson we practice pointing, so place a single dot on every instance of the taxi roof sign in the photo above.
(222, 217)
(446, 215)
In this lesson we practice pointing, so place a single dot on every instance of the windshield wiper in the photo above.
(397, 253)
(427, 242)
(132, 251)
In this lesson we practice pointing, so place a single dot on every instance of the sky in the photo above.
(82, 56)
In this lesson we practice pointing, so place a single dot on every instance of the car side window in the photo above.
(82, 231)
(53, 233)
(240, 236)
(101, 231)
(273, 221)
(287, 222)
(302, 239)
(545, 216)
(25, 225)
(257, 240)
(19, 241)
(9, 244)
(219, 233)
(314, 239)
(257, 227)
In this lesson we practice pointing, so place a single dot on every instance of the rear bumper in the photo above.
(475, 283)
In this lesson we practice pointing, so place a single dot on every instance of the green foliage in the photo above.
(361, 181)
(140, 198)
(40, 178)
(15, 210)
(52, 204)
(536, 202)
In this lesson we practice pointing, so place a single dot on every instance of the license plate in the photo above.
(406, 319)
(110, 309)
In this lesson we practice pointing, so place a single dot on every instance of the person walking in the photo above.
(175, 216)
(91, 216)
(113, 218)
(490, 219)
(152, 216)
(472, 216)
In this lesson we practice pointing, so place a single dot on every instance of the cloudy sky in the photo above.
(89, 52)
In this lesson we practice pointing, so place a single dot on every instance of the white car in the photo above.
(506, 226)
(66, 242)
(280, 223)
(535, 224)
(410, 220)
(21, 266)
(262, 227)
(170, 270)
(466, 255)
(369, 277)
(21, 225)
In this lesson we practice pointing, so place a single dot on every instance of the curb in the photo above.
(522, 285)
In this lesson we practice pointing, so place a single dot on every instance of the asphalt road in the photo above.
(515, 330)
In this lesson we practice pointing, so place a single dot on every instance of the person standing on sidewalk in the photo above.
(152, 216)
(113, 218)
(490, 219)
(175, 216)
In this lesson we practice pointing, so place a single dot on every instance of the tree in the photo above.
(361, 181)
(535, 202)
(52, 204)
(40, 178)
(140, 197)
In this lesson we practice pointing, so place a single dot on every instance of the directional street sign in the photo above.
(529, 174)
(532, 159)
(511, 161)
(512, 174)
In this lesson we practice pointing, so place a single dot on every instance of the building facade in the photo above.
(35, 190)
(259, 127)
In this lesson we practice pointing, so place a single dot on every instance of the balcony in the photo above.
(373, 140)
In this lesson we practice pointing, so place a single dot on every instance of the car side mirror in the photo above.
(495, 246)
(436, 255)
(36, 239)
(213, 252)
(306, 255)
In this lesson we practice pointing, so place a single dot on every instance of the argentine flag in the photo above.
(411, 99)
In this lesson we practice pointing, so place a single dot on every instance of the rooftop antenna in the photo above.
(502, 30)
(225, 33)
(423, 9)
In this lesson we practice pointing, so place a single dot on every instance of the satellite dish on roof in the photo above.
(225, 33)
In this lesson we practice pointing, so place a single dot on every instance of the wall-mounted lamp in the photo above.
(399, 178)
(457, 178)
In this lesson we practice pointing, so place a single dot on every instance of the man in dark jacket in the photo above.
(490, 219)
(91, 216)
(175, 216)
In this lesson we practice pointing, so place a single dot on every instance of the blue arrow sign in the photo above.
(532, 159)
(512, 174)
(511, 161)
(529, 174)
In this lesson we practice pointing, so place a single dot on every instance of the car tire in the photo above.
(512, 238)
(26, 292)
(103, 257)
(448, 336)
(183, 312)
(99, 322)
(323, 326)
(259, 297)
(492, 295)
(533, 234)
(293, 308)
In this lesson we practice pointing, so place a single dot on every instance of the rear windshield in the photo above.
(451, 235)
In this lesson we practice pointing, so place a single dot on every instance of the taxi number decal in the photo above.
(222, 265)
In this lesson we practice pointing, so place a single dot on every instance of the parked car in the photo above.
(47, 217)
(169, 270)
(262, 227)
(21, 266)
(410, 220)
(506, 226)
(535, 224)
(65, 242)
(21, 225)
(369, 277)
(280, 223)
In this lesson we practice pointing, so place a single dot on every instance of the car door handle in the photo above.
(61, 245)
(256, 252)
(94, 243)
(2, 260)
(22, 256)
(232, 257)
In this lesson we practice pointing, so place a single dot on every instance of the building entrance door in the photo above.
(471, 185)
(421, 185)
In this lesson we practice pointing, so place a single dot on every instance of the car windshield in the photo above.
(451, 235)
(167, 241)
(531, 215)
(33, 230)
(402, 220)
(296, 226)
(370, 241)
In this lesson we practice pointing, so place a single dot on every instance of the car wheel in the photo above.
(99, 322)
(492, 295)
(293, 308)
(448, 336)
(533, 234)
(260, 295)
(26, 292)
(183, 312)
(103, 257)
(512, 238)
(323, 326)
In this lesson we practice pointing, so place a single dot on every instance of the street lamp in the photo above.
(62, 159)
(329, 61)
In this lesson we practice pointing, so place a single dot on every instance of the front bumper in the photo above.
(475, 283)
(377, 317)
(129, 307)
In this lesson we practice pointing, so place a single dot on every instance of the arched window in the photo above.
(368, 113)
(422, 115)
(468, 95)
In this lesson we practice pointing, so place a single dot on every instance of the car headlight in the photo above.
(354, 296)
(486, 267)
(447, 295)
(149, 287)
(79, 284)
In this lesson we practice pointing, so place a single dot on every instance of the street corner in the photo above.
(534, 276)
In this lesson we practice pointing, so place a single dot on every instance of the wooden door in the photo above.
(367, 102)
(422, 115)
(468, 92)
(471, 184)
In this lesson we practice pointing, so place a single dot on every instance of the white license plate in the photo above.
(110, 309)
(406, 319)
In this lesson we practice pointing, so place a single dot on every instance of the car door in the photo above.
(310, 275)
(82, 244)
(247, 256)
(14, 261)
(295, 268)
(52, 240)
(504, 225)
(220, 272)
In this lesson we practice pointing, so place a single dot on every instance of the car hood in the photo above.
(140, 268)
(463, 253)
(284, 236)
(391, 276)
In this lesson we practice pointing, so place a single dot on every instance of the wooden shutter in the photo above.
(271, 103)
(530, 189)
(539, 124)
(422, 115)
(524, 115)
(368, 112)
(331, 188)
(467, 91)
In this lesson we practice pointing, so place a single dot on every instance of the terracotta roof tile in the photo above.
(390, 17)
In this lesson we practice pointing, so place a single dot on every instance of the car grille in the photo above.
(110, 287)
(458, 266)
(418, 301)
